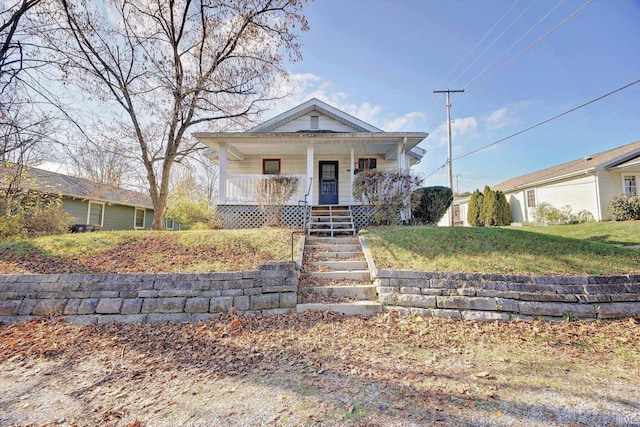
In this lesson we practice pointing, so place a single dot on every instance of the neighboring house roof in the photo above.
(616, 158)
(80, 188)
(314, 105)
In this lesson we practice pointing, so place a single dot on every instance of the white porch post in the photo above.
(351, 174)
(222, 174)
(399, 156)
(310, 148)
(405, 160)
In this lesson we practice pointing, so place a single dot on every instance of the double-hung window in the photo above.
(531, 198)
(140, 217)
(95, 215)
(630, 185)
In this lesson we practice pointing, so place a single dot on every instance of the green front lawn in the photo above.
(582, 249)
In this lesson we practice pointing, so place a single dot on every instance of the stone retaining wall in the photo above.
(141, 298)
(476, 296)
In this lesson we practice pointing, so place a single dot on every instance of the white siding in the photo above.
(611, 184)
(325, 123)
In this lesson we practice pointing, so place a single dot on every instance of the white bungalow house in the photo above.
(585, 184)
(320, 145)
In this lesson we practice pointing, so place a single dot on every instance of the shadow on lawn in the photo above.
(298, 353)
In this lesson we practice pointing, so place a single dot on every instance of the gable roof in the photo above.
(620, 156)
(79, 188)
(307, 107)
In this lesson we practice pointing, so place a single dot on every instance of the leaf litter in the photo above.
(320, 369)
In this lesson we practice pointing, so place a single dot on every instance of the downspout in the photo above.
(598, 205)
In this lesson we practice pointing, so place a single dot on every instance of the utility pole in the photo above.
(457, 187)
(448, 105)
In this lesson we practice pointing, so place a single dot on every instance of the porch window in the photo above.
(140, 214)
(366, 164)
(630, 185)
(270, 166)
(531, 198)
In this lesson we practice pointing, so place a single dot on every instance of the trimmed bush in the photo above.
(625, 208)
(429, 204)
(474, 214)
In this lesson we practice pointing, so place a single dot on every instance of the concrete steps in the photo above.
(358, 308)
(348, 279)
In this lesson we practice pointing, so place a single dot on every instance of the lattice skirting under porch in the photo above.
(249, 216)
(361, 215)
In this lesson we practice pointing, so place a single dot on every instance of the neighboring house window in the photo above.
(367, 164)
(315, 122)
(270, 166)
(95, 216)
(630, 185)
(140, 217)
(168, 223)
(531, 198)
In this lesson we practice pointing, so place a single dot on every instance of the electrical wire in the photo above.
(544, 36)
(493, 42)
(533, 27)
(464, 58)
(557, 116)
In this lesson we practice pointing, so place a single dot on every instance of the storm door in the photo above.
(328, 183)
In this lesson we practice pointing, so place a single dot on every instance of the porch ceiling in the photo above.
(324, 143)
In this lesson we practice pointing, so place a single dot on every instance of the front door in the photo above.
(328, 183)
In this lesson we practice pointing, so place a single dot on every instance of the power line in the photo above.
(493, 42)
(544, 36)
(533, 27)
(478, 43)
(557, 116)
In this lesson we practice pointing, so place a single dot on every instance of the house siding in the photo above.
(117, 217)
(579, 193)
(324, 123)
(76, 208)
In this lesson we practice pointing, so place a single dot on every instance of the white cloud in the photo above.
(298, 88)
(505, 116)
(403, 123)
(464, 129)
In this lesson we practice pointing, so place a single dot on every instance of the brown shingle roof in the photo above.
(599, 160)
(56, 183)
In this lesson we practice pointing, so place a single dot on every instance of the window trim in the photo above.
(367, 161)
(135, 217)
(531, 191)
(101, 213)
(173, 223)
(636, 179)
(267, 160)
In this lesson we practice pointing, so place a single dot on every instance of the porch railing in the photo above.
(241, 188)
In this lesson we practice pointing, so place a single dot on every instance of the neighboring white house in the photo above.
(588, 183)
(320, 145)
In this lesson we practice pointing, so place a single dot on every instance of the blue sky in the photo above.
(381, 61)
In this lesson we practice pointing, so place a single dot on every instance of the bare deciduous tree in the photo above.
(11, 47)
(170, 65)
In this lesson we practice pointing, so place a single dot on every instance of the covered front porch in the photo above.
(323, 164)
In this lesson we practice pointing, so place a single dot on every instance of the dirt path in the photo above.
(320, 369)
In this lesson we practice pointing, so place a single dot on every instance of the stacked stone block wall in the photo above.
(142, 298)
(475, 296)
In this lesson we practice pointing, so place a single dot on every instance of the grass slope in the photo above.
(584, 249)
(136, 251)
